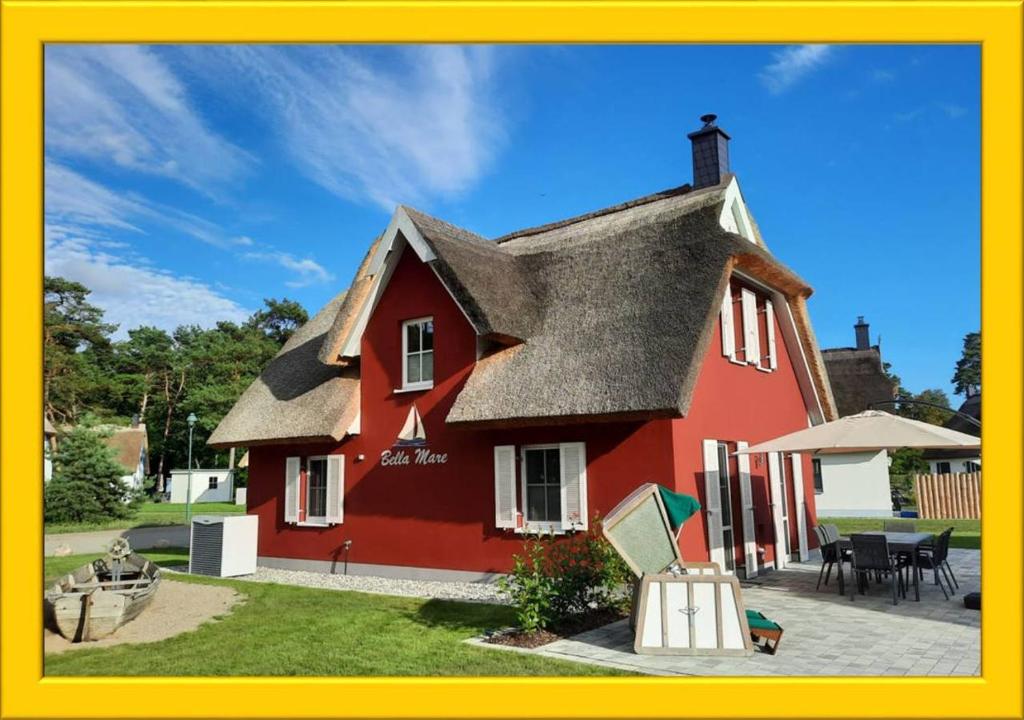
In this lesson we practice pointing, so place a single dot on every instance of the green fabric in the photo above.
(678, 506)
(759, 621)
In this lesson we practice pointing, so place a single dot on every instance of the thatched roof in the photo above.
(602, 316)
(857, 379)
(630, 298)
(297, 396)
(128, 444)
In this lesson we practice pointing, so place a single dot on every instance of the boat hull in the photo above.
(88, 605)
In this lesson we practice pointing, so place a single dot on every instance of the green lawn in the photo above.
(149, 515)
(966, 533)
(284, 630)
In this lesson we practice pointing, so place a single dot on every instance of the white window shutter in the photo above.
(292, 469)
(751, 336)
(775, 482)
(505, 506)
(335, 489)
(747, 501)
(798, 498)
(713, 503)
(574, 486)
(728, 330)
(769, 313)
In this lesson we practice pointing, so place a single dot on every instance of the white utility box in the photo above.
(223, 546)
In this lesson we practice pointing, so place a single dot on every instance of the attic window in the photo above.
(418, 354)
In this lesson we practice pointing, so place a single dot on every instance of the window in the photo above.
(316, 490)
(542, 476)
(942, 468)
(725, 493)
(748, 332)
(819, 483)
(418, 354)
(212, 482)
(971, 466)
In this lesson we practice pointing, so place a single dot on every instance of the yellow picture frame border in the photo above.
(26, 26)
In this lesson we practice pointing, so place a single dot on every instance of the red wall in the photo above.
(739, 402)
(442, 516)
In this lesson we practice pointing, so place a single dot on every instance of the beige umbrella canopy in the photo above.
(866, 431)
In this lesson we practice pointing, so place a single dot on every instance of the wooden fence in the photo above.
(950, 495)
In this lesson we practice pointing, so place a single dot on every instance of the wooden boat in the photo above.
(96, 599)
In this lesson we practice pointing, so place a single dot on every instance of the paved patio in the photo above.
(825, 634)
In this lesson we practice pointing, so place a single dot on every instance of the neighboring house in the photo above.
(464, 391)
(49, 446)
(207, 485)
(959, 461)
(855, 484)
(131, 448)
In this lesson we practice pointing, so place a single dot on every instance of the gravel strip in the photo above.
(469, 592)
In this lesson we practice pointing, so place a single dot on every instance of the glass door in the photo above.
(725, 493)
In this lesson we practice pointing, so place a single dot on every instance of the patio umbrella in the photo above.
(867, 431)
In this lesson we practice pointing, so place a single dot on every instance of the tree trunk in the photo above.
(171, 404)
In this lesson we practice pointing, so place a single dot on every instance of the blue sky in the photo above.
(186, 183)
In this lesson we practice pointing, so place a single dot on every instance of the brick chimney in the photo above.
(861, 332)
(710, 153)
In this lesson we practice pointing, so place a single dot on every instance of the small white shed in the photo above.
(215, 485)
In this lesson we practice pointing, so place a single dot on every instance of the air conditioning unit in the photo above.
(223, 546)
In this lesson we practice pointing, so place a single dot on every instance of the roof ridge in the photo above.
(635, 202)
(414, 211)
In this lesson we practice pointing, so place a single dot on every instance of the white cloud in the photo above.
(416, 122)
(122, 104)
(952, 110)
(308, 271)
(133, 293)
(791, 65)
(73, 200)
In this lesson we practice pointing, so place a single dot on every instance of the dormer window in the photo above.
(418, 354)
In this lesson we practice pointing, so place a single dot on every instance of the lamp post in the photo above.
(191, 420)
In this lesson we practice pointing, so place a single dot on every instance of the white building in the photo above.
(852, 485)
(207, 485)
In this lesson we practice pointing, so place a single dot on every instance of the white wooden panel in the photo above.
(747, 501)
(769, 311)
(751, 336)
(705, 616)
(505, 505)
(728, 328)
(292, 468)
(800, 502)
(732, 631)
(713, 503)
(678, 619)
(652, 618)
(335, 489)
(775, 481)
(574, 486)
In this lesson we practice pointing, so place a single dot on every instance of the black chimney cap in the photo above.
(709, 127)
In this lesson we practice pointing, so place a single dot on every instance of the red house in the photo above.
(465, 391)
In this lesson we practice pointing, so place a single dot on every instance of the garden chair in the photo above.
(935, 559)
(832, 533)
(829, 555)
(871, 555)
(761, 628)
(906, 526)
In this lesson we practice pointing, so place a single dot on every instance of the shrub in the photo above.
(560, 577)
(86, 484)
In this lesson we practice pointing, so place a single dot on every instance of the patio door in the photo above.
(747, 508)
(780, 512)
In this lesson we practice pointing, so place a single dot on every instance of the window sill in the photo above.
(742, 363)
(764, 369)
(546, 530)
(306, 523)
(413, 388)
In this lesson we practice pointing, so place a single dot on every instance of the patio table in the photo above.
(899, 542)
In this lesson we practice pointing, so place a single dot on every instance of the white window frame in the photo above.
(550, 526)
(422, 384)
(319, 521)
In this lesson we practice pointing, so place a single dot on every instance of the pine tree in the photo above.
(86, 484)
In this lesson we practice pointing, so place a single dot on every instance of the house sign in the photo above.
(410, 445)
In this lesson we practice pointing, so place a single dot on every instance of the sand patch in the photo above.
(177, 607)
